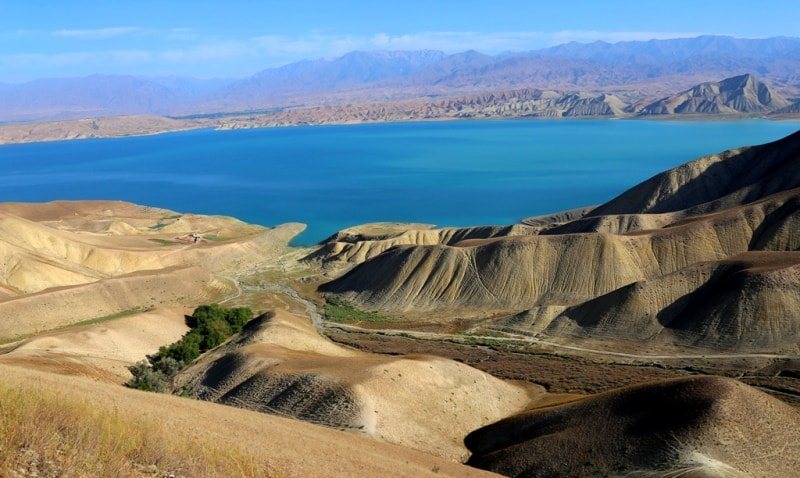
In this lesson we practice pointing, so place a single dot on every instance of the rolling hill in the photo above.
(279, 364)
(64, 262)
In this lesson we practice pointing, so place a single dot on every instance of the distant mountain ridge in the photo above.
(637, 71)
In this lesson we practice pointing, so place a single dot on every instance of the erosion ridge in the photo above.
(279, 364)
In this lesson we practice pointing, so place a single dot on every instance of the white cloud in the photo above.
(612, 37)
(188, 52)
(97, 33)
(319, 45)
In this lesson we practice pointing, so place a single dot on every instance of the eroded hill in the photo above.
(280, 364)
(66, 262)
(682, 231)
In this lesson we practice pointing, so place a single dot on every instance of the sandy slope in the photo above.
(280, 364)
(289, 447)
(103, 351)
(64, 262)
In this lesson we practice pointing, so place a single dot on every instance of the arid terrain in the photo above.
(741, 96)
(654, 335)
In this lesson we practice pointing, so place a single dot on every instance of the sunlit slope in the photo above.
(102, 351)
(64, 262)
(279, 364)
(73, 426)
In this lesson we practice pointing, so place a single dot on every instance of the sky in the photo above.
(234, 39)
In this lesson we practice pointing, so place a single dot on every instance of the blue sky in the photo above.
(237, 38)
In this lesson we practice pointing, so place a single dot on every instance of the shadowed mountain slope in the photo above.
(749, 302)
(699, 426)
(714, 182)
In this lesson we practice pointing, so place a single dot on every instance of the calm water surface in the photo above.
(331, 177)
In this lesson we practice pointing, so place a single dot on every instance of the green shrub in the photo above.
(168, 365)
(214, 332)
(210, 326)
(238, 317)
(185, 350)
(147, 378)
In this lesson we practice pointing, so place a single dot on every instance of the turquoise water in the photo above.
(330, 177)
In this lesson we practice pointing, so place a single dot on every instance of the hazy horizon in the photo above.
(206, 40)
(257, 69)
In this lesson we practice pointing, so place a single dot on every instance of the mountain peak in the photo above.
(735, 95)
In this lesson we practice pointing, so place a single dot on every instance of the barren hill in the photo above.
(64, 262)
(700, 426)
(659, 232)
(280, 364)
(739, 94)
(747, 302)
(91, 128)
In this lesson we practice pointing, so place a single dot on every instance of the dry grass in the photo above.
(46, 434)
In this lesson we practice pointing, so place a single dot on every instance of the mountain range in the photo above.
(637, 71)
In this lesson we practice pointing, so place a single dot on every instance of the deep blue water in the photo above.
(331, 177)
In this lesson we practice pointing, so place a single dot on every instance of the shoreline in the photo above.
(248, 123)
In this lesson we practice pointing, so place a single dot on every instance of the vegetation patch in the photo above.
(165, 221)
(210, 326)
(164, 242)
(106, 318)
(215, 238)
(342, 311)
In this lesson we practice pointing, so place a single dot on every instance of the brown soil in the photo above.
(569, 374)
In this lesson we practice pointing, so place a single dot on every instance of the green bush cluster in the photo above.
(210, 326)
(147, 378)
(339, 310)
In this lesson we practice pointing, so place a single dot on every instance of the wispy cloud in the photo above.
(612, 37)
(97, 33)
(322, 45)
(189, 52)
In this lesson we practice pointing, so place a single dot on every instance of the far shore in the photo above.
(131, 126)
